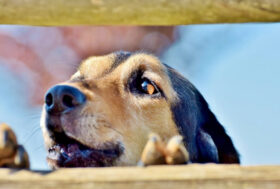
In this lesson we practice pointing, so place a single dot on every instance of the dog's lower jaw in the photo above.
(72, 155)
(65, 151)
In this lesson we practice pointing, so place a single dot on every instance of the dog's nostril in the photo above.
(68, 101)
(63, 98)
(49, 99)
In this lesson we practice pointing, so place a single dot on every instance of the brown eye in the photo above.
(148, 87)
(142, 86)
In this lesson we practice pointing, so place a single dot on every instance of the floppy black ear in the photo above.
(226, 150)
(204, 137)
(207, 148)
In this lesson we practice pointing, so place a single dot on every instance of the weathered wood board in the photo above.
(135, 12)
(208, 176)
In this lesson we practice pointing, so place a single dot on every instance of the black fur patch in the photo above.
(121, 56)
(198, 125)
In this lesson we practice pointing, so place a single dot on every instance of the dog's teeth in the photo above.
(54, 148)
(53, 154)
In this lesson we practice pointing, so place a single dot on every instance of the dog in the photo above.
(102, 116)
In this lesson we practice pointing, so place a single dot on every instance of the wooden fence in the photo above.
(208, 176)
(137, 12)
(141, 12)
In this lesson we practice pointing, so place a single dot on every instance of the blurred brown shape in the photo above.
(87, 40)
(12, 154)
(42, 56)
(158, 152)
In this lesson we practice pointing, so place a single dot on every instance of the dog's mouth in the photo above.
(68, 152)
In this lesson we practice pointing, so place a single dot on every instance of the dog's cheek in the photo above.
(133, 147)
(143, 117)
(92, 132)
(134, 137)
(158, 117)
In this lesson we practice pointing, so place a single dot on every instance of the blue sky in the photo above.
(238, 72)
(235, 67)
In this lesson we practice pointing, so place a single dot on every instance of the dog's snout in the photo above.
(63, 98)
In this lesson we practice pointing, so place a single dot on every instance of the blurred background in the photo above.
(236, 68)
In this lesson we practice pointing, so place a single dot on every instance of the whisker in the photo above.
(29, 135)
(38, 148)
(101, 120)
(34, 116)
(114, 129)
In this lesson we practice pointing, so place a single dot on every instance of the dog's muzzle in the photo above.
(62, 102)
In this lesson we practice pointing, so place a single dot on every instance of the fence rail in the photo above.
(135, 12)
(208, 176)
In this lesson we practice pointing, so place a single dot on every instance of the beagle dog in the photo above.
(103, 115)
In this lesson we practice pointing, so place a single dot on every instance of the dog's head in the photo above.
(103, 115)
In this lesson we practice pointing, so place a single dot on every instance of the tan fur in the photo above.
(158, 152)
(112, 114)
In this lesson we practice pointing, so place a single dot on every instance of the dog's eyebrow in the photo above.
(120, 57)
(83, 81)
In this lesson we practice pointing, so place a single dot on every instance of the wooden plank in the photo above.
(208, 176)
(137, 12)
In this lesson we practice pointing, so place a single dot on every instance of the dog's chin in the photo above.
(67, 152)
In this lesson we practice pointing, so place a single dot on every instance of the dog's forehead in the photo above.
(99, 66)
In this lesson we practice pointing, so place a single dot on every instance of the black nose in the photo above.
(63, 98)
